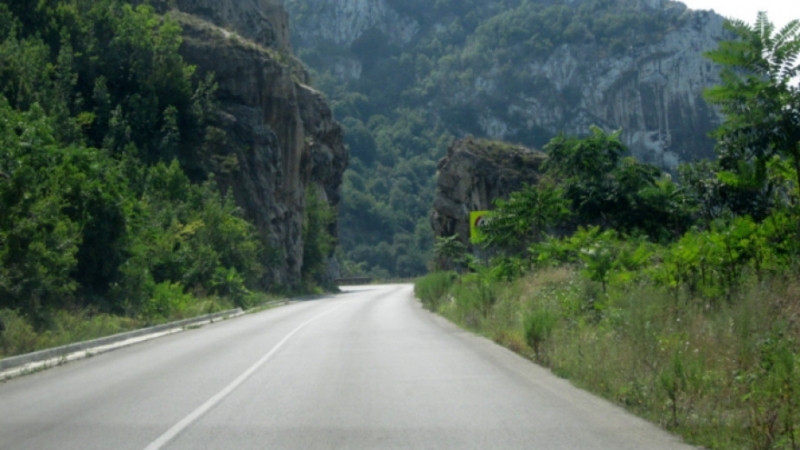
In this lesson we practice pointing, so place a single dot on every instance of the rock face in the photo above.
(654, 94)
(264, 22)
(344, 22)
(474, 173)
(275, 136)
(652, 91)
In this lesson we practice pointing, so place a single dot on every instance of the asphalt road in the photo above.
(364, 369)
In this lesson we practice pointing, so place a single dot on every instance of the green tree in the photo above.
(760, 102)
(318, 243)
(39, 241)
(525, 218)
(604, 188)
(585, 166)
(449, 253)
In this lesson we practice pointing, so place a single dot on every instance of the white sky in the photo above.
(780, 12)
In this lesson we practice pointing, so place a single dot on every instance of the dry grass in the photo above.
(724, 377)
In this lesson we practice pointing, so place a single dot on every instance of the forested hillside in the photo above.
(406, 78)
(116, 173)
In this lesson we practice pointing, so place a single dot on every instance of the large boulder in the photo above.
(473, 174)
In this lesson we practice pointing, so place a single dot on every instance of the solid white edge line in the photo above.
(176, 429)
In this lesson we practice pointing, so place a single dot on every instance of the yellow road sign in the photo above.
(476, 220)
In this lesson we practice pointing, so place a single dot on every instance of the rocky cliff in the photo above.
(644, 76)
(472, 175)
(276, 136)
(653, 92)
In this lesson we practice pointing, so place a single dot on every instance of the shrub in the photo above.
(433, 288)
(168, 301)
(18, 337)
(539, 325)
(228, 283)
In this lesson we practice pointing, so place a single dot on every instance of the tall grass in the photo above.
(63, 327)
(432, 289)
(725, 376)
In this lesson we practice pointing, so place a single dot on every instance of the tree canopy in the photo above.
(104, 204)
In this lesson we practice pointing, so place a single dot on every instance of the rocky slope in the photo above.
(654, 93)
(651, 88)
(474, 173)
(277, 135)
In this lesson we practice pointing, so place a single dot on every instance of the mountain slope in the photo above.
(407, 77)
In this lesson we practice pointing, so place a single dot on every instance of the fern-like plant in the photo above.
(759, 95)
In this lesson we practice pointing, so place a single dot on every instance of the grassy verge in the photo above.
(724, 376)
(62, 327)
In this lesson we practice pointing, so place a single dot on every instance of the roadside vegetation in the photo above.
(108, 218)
(678, 300)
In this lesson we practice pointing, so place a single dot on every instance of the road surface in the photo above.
(360, 370)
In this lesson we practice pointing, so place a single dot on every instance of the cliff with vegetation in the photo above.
(280, 138)
(159, 159)
(406, 78)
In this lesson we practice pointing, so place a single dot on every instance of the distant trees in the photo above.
(388, 192)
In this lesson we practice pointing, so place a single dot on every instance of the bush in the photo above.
(539, 325)
(18, 337)
(168, 301)
(433, 288)
(62, 328)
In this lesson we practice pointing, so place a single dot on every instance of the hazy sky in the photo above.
(779, 11)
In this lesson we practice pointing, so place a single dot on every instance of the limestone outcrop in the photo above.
(653, 93)
(344, 22)
(472, 175)
(276, 136)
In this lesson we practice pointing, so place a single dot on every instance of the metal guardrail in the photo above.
(58, 352)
